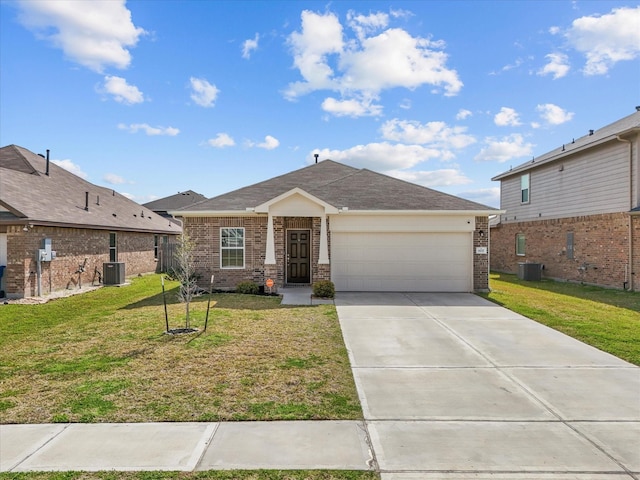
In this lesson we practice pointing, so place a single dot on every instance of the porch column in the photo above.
(324, 241)
(270, 254)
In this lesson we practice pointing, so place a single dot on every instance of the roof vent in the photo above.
(86, 201)
(637, 108)
(47, 172)
(590, 132)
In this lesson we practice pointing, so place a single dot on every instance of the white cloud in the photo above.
(381, 156)
(269, 143)
(364, 25)
(553, 114)
(507, 148)
(607, 39)
(249, 46)
(434, 134)
(351, 108)
(203, 93)
(558, 66)
(149, 130)
(130, 196)
(405, 104)
(431, 179)
(94, 34)
(114, 179)
(121, 91)
(69, 166)
(507, 117)
(485, 196)
(221, 140)
(463, 114)
(362, 67)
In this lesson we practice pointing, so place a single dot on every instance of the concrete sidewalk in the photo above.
(185, 446)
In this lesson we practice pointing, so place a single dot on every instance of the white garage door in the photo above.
(402, 262)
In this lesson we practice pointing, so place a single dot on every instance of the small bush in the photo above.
(248, 287)
(324, 289)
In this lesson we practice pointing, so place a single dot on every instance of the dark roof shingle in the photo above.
(61, 198)
(341, 186)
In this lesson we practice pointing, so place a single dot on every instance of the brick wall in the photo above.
(481, 260)
(72, 247)
(205, 232)
(601, 248)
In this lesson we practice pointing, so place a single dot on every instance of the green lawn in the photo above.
(605, 318)
(103, 356)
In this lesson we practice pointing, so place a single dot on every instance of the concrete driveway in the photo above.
(455, 387)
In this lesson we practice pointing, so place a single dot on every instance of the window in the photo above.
(232, 247)
(113, 247)
(570, 245)
(524, 188)
(155, 246)
(520, 244)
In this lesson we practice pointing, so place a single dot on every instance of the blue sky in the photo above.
(155, 97)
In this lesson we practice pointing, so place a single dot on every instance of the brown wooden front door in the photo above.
(298, 256)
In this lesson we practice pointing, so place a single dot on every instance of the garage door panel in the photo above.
(401, 262)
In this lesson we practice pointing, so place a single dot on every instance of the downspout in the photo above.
(628, 284)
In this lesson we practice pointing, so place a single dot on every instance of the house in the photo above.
(57, 230)
(161, 206)
(575, 210)
(363, 230)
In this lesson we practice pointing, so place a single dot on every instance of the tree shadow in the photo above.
(233, 301)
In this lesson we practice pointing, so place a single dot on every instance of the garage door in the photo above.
(406, 262)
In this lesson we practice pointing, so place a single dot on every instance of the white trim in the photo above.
(475, 213)
(270, 253)
(244, 249)
(323, 257)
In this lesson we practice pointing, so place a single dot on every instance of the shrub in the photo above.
(324, 289)
(248, 287)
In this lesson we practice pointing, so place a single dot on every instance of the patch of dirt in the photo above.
(50, 296)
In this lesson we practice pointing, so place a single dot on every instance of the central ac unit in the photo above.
(113, 273)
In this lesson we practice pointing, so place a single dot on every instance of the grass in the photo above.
(206, 475)
(604, 318)
(103, 356)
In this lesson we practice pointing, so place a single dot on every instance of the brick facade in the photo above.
(205, 233)
(72, 247)
(600, 248)
(481, 260)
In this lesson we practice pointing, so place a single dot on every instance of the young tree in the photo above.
(185, 272)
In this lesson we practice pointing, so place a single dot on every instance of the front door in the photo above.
(298, 256)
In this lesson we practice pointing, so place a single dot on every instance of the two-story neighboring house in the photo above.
(575, 210)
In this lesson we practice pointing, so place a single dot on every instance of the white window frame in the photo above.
(526, 189)
(524, 244)
(235, 247)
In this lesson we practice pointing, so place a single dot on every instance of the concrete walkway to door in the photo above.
(455, 387)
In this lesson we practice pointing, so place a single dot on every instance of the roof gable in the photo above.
(172, 202)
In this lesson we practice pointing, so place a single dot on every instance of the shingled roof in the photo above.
(29, 195)
(172, 202)
(341, 186)
(626, 125)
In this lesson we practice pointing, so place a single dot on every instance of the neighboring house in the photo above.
(575, 210)
(362, 230)
(180, 200)
(73, 226)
